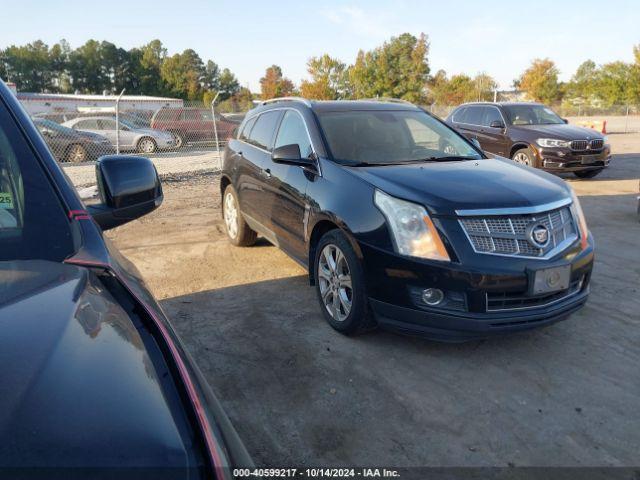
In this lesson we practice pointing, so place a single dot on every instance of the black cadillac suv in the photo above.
(404, 223)
(532, 134)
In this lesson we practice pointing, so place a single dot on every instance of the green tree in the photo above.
(583, 85)
(85, 68)
(329, 79)
(146, 65)
(616, 84)
(29, 67)
(228, 84)
(184, 74)
(397, 69)
(274, 84)
(540, 81)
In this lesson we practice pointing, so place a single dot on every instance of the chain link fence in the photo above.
(184, 137)
(181, 137)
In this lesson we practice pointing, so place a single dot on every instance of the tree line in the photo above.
(399, 68)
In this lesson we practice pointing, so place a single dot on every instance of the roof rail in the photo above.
(287, 99)
(385, 99)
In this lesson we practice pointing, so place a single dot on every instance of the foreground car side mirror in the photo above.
(290, 155)
(129, 188)
(497, 124)
(565, 120)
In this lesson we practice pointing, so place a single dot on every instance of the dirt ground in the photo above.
(301, 394)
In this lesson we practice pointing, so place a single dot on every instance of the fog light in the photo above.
(432, 296)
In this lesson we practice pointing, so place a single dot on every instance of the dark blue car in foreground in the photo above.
(94, 383)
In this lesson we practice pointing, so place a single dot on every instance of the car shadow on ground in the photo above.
(300, 393)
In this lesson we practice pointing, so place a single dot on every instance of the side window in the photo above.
(293, 131)
(86, 125)
(106, 124)
(244, 134)
(33, 223)
(474, 115)
(459, 115)
(263, 131)
(491, 114)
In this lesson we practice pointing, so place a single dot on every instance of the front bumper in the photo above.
(392, 281)
(565, 160)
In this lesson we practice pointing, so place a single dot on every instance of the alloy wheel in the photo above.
(334, 277)
(522, 158)
(147, 145)
(77, 154)
(231, 215)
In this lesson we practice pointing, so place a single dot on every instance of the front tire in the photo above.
(238, 232)
(588, 173)
(524, 156)
(178, 139)
(340, 284)
(147, 145)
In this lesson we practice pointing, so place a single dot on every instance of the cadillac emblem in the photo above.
(538, 235)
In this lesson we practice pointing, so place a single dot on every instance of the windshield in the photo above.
(531, 115)
(51, 125)
(128, 124)
(374, 137)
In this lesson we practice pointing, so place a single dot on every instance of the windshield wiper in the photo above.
(449, 158)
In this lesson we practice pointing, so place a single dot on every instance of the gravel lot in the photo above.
(301, 394)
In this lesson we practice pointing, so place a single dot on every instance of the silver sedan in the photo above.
(143, 140)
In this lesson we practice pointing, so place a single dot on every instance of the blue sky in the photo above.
(498, 37)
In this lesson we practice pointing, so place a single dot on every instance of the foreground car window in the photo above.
(33, 224)
(383, 137)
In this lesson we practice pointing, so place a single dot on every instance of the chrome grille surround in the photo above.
(504, 231)
(581, 145)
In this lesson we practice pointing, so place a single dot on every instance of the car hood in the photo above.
(444, 187)
(561, 131)
(78, 387)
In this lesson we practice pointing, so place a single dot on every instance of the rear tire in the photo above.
(238, 232)
(524, 156)
(588, 173)
(340, 285)
(76, 153)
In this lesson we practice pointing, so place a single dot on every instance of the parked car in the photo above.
(191, 124)
(94, 382)
(532, 134)
(404, 223)
(69, 145)
(143, 140)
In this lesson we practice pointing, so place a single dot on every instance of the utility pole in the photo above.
(118, 121)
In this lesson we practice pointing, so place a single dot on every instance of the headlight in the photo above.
(582, 221)
(413, 231)
(552, 142)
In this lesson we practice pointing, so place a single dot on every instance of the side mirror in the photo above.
(290, 155)
(129, 188)
(565, 120)
(476, 143)
(497, 124)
